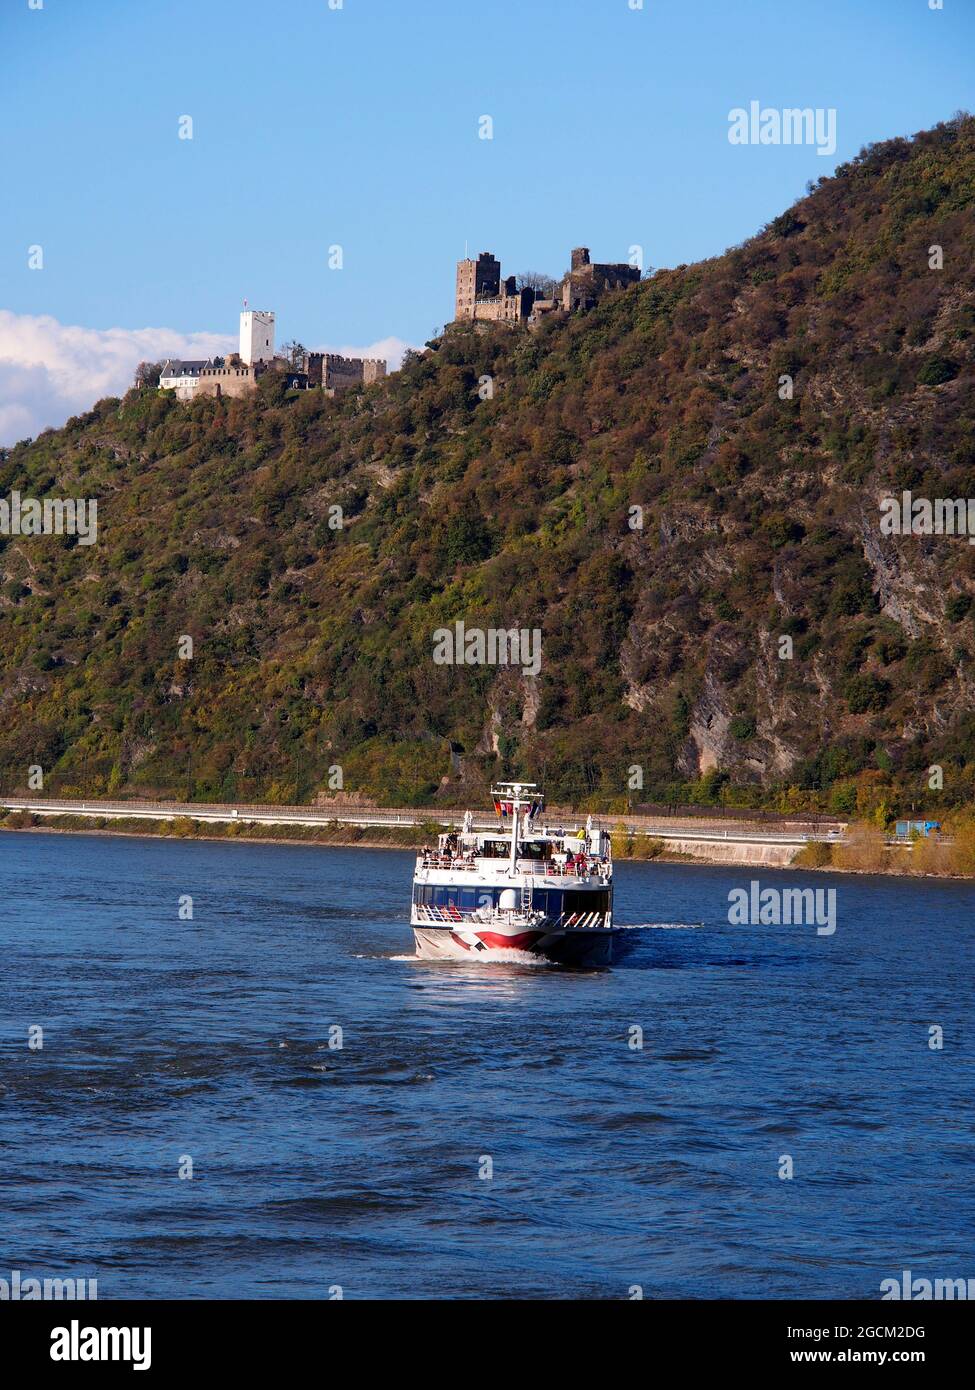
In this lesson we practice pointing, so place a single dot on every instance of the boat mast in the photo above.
(511, 792)
(515, 808)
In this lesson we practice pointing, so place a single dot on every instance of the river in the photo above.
(482, 1130)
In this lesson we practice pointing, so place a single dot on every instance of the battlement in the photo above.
(333, 372)
(233, 377)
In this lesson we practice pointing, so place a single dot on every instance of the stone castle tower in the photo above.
(480, 279)
(256, 336)
(480, 292)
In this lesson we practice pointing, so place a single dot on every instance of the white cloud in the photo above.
(50, 370)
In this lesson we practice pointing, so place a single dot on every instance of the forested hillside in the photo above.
(661, 645)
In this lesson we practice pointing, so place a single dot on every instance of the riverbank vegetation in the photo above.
(186, 827)
(866, 851)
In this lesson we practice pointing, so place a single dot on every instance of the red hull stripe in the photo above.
(521, 942)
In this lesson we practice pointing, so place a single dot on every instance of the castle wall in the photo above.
(227, 381)
(336, 373)
(341, 373)
(540, 308)
(585, 282)
(506, 308)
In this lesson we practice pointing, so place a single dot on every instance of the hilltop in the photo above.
(760, 520)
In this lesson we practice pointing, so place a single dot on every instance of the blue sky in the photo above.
(358, 126)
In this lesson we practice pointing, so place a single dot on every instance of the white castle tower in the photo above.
(256, 336)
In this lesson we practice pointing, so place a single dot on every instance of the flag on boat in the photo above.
(504, 807)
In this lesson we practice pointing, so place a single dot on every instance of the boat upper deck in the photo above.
(545, 853)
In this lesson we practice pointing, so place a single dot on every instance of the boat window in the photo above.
(534, 849)
(446, 897)
(495, 849)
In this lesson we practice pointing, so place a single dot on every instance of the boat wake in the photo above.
(499, 955)
(657, 926)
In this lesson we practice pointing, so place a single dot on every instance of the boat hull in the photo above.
(587, 949)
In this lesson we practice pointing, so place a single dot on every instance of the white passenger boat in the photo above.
(521, 887)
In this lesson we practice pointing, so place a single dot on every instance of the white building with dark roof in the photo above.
(182, 377)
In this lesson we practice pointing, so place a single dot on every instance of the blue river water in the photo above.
(317, 1167)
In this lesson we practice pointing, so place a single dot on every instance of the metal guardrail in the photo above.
(269, 813)
(555, 814)
(223, 811)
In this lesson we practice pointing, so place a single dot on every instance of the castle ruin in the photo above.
(481, 295)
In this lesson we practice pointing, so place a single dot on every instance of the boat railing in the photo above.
(584, 868)
(535, 868)
(430, 912)
(450, 914)
(447, 861)
(427, 912)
